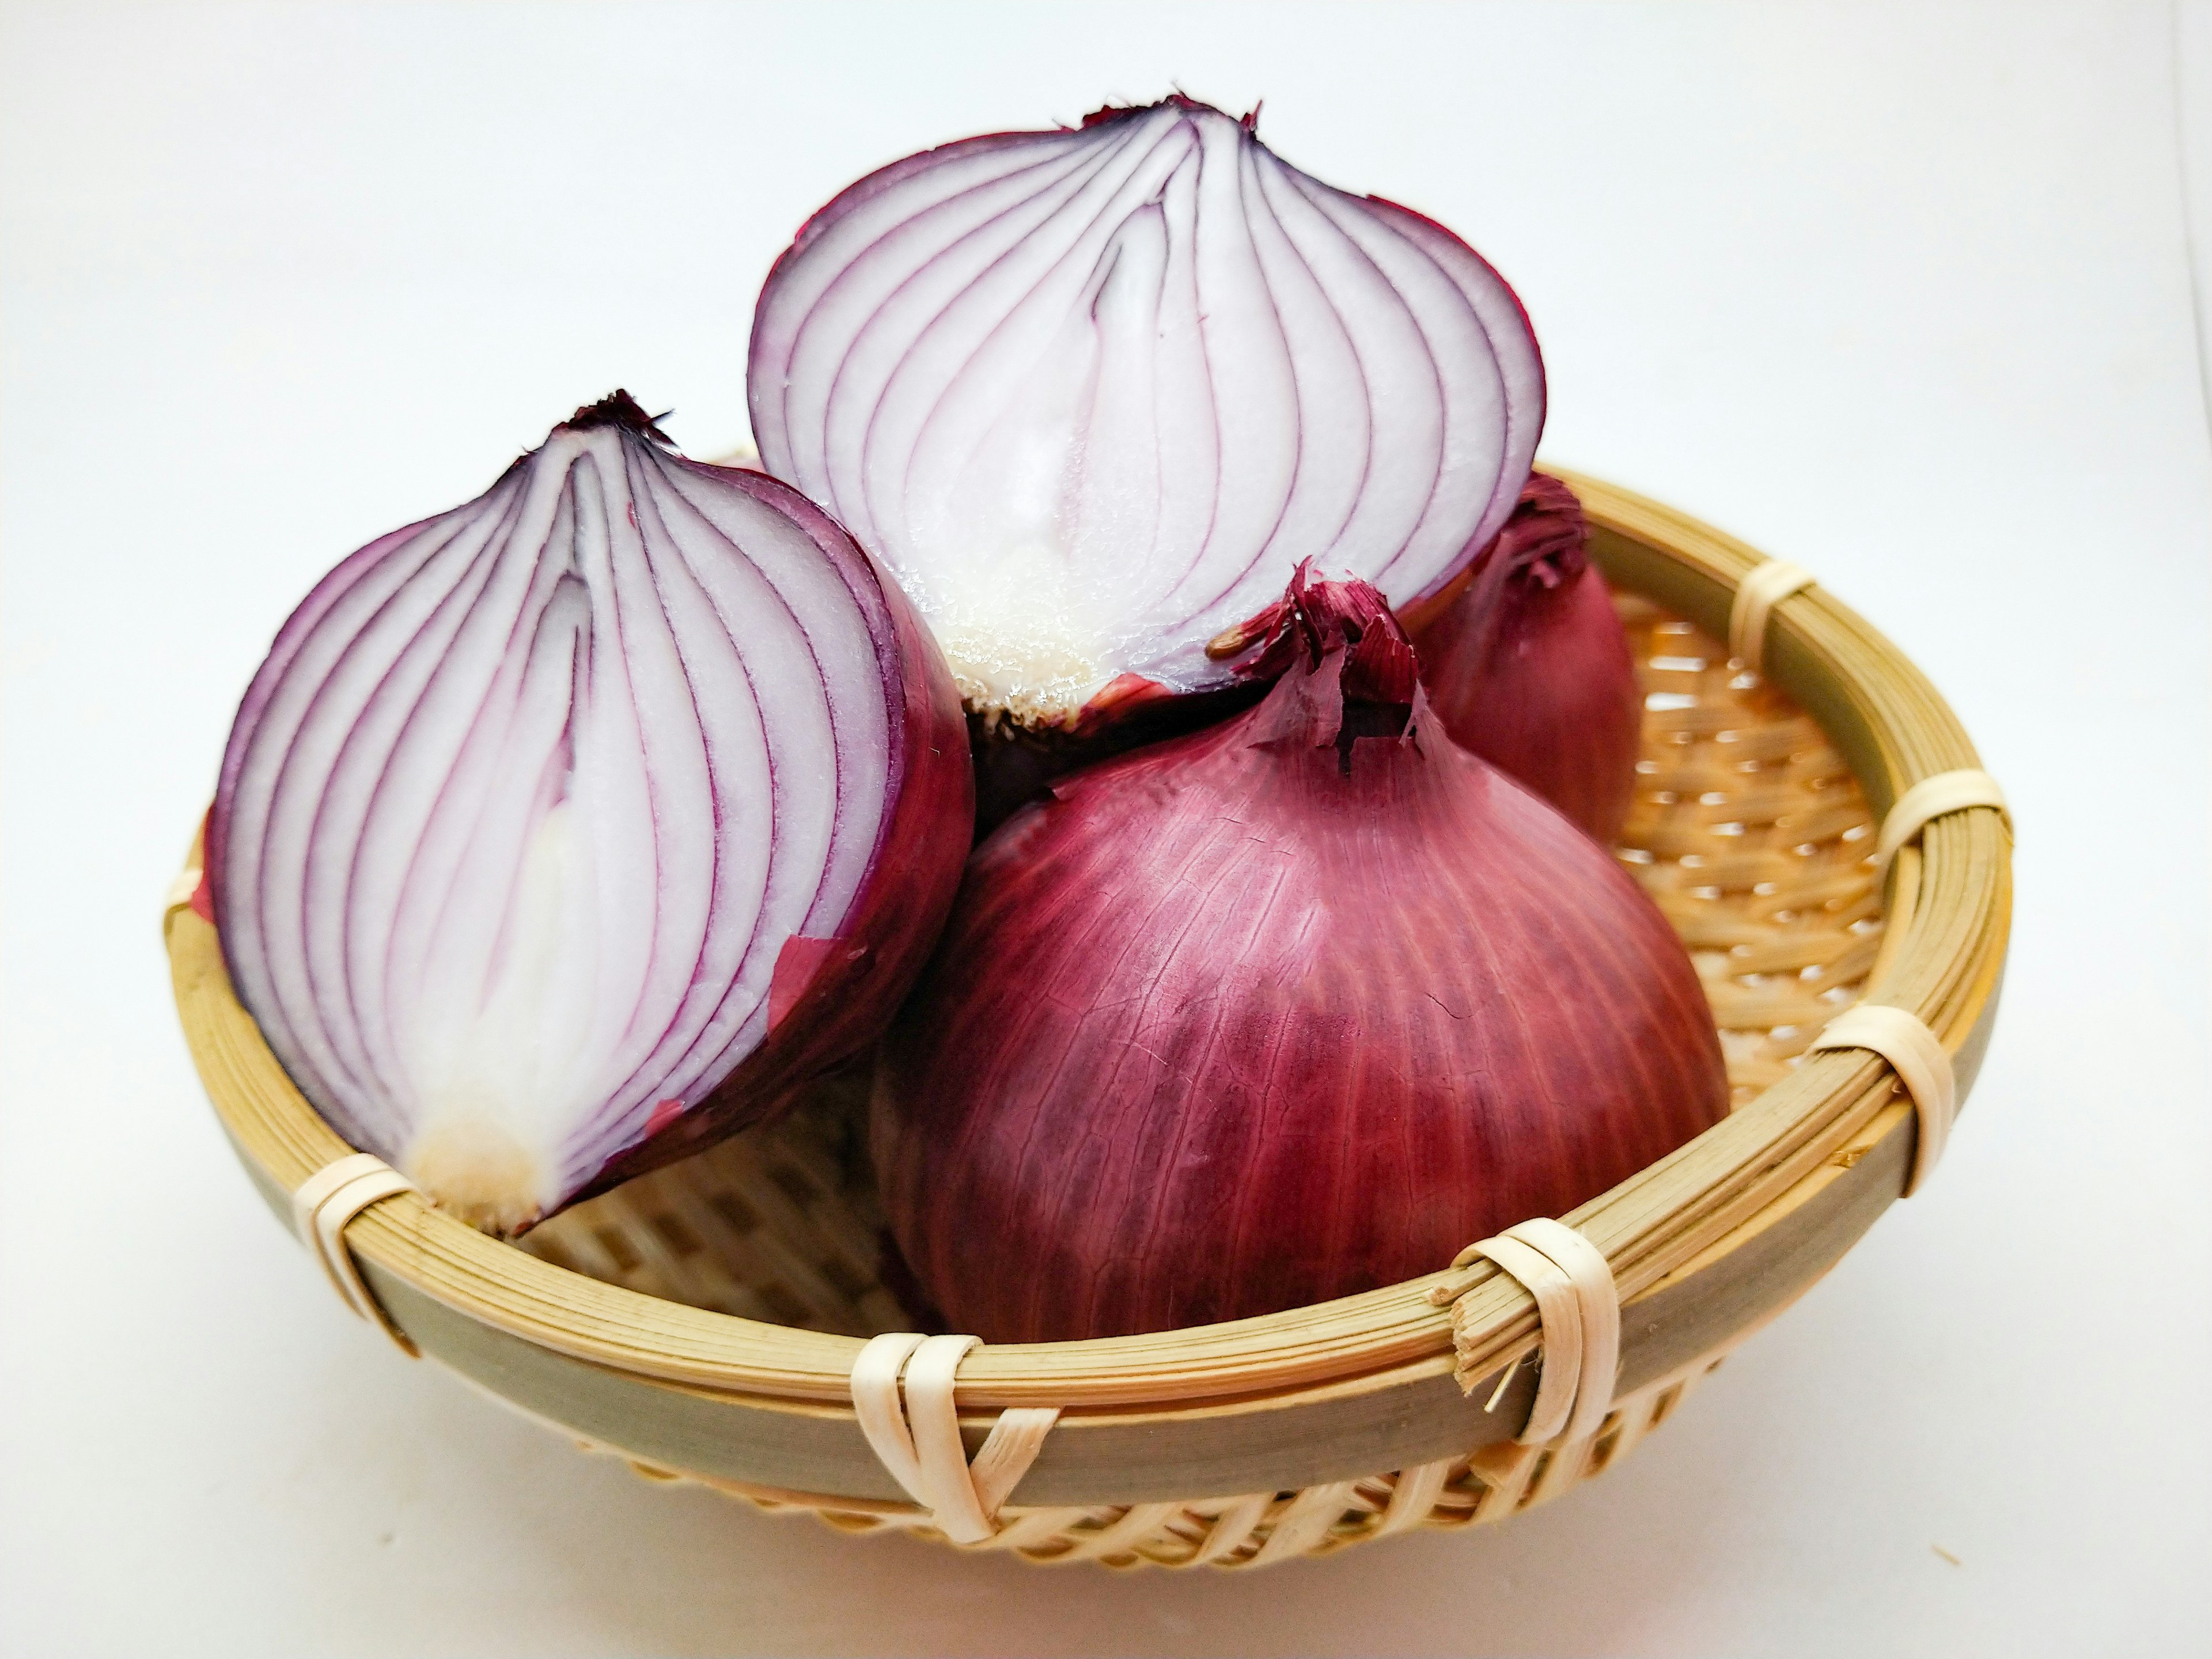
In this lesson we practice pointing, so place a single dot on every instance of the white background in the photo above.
(1902, 294)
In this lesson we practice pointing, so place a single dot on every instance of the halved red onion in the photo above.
(1530, 667)
(571, 829)
(1093, 394)
(1289, 1009)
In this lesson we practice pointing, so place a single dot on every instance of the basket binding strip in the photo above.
(1765, 587)
(1751, 833)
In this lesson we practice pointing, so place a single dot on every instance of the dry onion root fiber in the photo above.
(571, 829)
(1284, 1010)
(1093, 394)
(1528, 666)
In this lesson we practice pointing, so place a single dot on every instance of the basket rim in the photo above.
(1948, 915)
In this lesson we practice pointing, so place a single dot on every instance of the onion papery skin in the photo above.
(572, 829)
(1531, 670)
(1259, 1018)
(1015, 764)
(1091, 394)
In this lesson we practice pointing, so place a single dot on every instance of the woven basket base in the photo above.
(1749, 832)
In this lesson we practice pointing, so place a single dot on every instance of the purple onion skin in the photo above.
(1532, 670)
(1015, 764)
(1273, 1014)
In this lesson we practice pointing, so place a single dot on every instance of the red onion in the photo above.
(1530, 667)
(1286, 1010)
(571, 829)
(1093, 394)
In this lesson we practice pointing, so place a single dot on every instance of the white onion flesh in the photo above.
(529, 798)
(1093, 394)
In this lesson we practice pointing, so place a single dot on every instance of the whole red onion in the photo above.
(1285, 1010)
(1528, 666)
(571, 829)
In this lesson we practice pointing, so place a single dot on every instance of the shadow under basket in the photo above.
(703, 1321)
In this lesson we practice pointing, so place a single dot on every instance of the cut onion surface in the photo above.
(571, 829)
(1287, 1010)
(1093, 394)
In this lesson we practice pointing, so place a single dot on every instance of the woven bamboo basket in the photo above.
(703, 1321)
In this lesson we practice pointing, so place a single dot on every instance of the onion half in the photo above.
(1093, 394)
(1284, 1010)
(568, 830)
(1530, 666)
